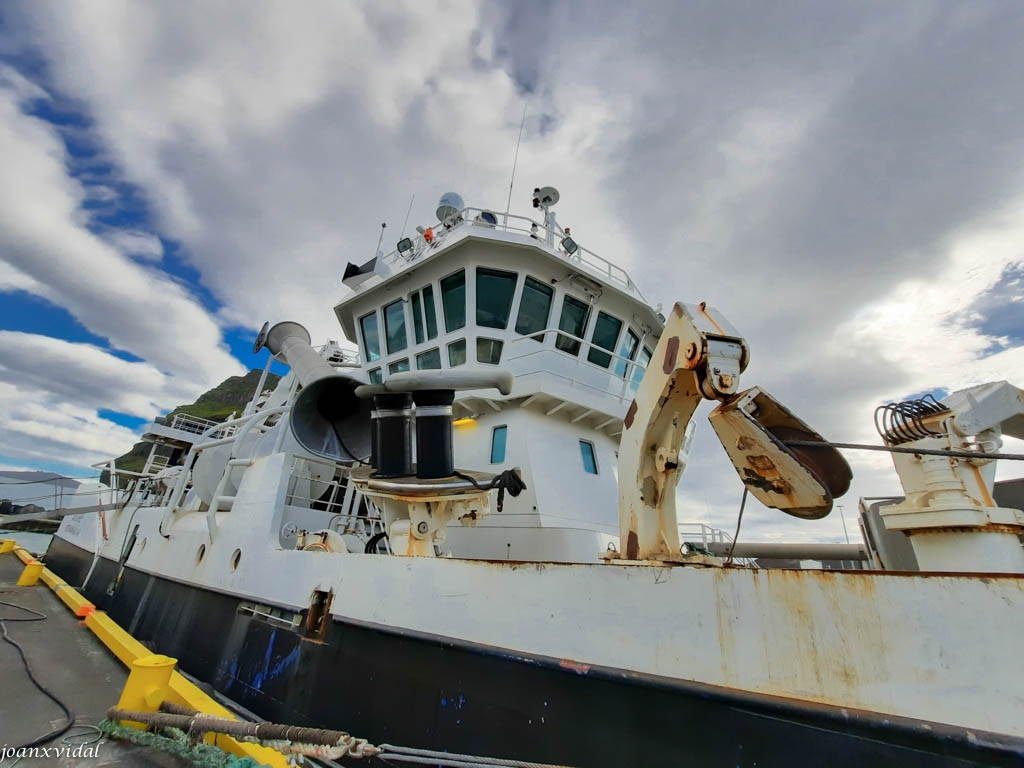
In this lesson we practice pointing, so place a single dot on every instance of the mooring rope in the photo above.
(311, 742)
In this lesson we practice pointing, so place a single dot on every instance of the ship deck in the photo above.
(74, 665)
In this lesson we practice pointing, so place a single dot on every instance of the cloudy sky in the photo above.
(845, 182)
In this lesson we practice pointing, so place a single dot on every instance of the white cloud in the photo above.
(38, 428)
(134, 242)
(87, 376)
(42, 237)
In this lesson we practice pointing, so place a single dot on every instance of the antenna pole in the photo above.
(843, 518)
(380, 239)
(407, 215)
(515, 160)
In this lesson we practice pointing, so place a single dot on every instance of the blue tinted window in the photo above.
(489, 350)
(573, 320)
(494, 290)
(431, 359)
(498, 440)
(457, 353)
(606, 333)
(428, 308)
(394, 326)
(371, 339)
(534, 308)
(375, 376)
(399, 366)
(589, 458)
(453, 301)
(626, 349)
(638, 370)
(417, 317)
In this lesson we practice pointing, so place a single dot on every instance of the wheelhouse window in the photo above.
(371, 336)
(430, 312)
(626, 349)
(499, 439)
(399, 365)
(573, 320)
(453, 301)
(494, 290)
(534, 308)
(489, 350)
(375, 376)
(457, 353)
(424, 316)
(417, 317)
(638, 370)
(394, 326)
(589, 457)
(606, 333)
(428, 360)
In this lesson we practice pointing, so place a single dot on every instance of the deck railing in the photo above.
(574, 369)
(551, 237)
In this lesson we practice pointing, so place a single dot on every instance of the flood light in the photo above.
(569, 245)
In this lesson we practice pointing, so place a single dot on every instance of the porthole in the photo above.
(236, 558)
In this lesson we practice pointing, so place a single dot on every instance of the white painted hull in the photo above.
(911, 645)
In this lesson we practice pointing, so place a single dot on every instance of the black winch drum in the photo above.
(391, 448)
(434, 452)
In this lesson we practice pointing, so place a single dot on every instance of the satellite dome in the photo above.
(449, 205)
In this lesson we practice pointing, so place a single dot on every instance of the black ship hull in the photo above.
(398, 687)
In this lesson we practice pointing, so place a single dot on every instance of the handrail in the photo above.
(596, 264)
(625, 377)
(198, 447)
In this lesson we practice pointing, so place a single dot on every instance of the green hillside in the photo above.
(230, 396)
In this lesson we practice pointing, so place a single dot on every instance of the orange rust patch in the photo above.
(745, 443)
(576, 666)
(671, 355)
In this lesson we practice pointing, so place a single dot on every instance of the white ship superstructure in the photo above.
(482, 290)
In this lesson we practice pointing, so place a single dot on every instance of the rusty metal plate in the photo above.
(802, 482)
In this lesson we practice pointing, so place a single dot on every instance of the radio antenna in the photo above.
(407, 215)
(515, 160)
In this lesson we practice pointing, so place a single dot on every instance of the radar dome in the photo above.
(449, 205)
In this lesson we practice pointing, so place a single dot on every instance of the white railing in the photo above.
(197, 425)
(581, 372)
(340, 499)
(467, 217)
(158, 462)
(703, 536)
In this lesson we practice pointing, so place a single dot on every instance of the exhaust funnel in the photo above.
(327, 419)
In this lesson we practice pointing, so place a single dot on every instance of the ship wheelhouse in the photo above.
(573, 330)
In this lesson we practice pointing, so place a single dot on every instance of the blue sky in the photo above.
(846, 187)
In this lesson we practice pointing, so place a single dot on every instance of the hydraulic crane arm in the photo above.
(700, 355)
